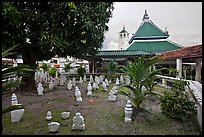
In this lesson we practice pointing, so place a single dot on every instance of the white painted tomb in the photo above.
(49, 115)
(69, 85)
(65, 115)
(78, 122)
(53, 126)
(89, 88)
(128, 112)
(40, 89)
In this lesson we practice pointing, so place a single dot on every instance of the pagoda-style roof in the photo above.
(148, 30)
(154, 46)
(122, 53)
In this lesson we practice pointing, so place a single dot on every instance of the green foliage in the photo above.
(112, 68)
(52, 72)
(12, 73)
(176, 104)
(12, 107)
(67, 67)
(81, 71)
(142, 74)
(44, 67)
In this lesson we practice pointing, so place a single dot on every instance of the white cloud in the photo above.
(112, 45)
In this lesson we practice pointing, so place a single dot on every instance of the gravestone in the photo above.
(121, 79)
(74, 81)
(84, 77)
(62, 79)
(117, 82)
(65, 115)
(127, 80)
(111, 96)
(78, 94)
(69, 85)
(114, 89)
(91, 79)
(81, 80)
(16, 115)
(78, 122)
(107, 83)
(104, 85)
(40, 89)
(89, 88)
(51, 84)
(49, 115)
(53, 126)
(128, 112)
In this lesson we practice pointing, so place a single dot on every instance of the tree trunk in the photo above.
(29, 82)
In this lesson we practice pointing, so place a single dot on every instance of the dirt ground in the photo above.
(62, 99)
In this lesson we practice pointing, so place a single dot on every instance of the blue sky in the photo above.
(182, 19)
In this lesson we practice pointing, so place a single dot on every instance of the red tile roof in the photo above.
(186, 52)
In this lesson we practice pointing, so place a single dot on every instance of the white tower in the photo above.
(123, 39)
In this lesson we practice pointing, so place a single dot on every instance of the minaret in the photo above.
(123, 39)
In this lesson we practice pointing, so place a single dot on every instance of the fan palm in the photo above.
(142, 74)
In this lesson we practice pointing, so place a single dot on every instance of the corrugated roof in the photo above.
(122, 53)
(154, 46)
(185, 52)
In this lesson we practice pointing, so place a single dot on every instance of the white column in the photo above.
(179, 67)
(198, 70)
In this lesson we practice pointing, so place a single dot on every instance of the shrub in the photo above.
(81, 71)
(177, 104)
(52, 72)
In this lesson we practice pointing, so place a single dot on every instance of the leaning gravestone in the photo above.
(78, 122)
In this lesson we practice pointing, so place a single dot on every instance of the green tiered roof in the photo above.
(123, 53)
(123, 30)
(154, 46)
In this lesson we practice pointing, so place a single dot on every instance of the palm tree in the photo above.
(142, 74)
(113, 68)
(13, 73)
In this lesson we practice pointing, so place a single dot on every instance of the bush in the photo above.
(177, 104)
(52, 72)
(81, 71)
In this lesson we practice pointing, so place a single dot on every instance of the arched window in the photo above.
(124, 35)
(121, 35)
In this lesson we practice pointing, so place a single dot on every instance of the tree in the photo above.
(142, 74)
(45, 29)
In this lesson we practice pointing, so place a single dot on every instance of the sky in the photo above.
(182, 19)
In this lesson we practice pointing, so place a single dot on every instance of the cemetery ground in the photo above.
(102, 117)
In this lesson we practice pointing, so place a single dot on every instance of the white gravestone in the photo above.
(62, 79)
(65, 115)
(53, 126)
(51, 85)
(84, 77)
(121, 79)
(40, 89)
(104, 85)
(69, 85)
(117, 82)
(91, 79)
(127, 80)
(16, 115)
(128, 112)
(114, 90)
(49, 115)
(111, 96)
(107, 83)
(78, 94)
(78, 122)
(94, 86)
(81, 80)
(74, 81)
(89, 88)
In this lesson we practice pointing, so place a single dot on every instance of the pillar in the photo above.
(179, 67)
(198, 70)
(93, 63)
